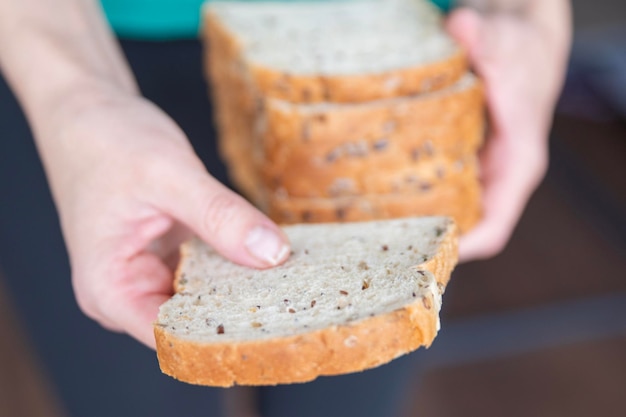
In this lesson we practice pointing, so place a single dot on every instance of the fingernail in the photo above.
(266, 245)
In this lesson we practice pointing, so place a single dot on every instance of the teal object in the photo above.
(166, 19)
(444, 5)
(154, 19)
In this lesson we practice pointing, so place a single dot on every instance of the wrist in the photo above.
(58, 53)
(64, 105)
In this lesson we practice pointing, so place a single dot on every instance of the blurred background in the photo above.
(538, 331)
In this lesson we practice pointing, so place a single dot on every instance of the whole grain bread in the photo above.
(350, 297)
(460, 199)
(307, 150)
(350, 51)
(324, 143)
(402, 117)
(381, 156)
(374, 177)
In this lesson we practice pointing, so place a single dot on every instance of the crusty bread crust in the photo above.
(380, 174)
(401, 118)
(459, 198)
(306, 154)
(336, 350)
(307, 88)
(359, 88)
(234, 110)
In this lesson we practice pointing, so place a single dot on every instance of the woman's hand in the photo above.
(129, 188)
(521, 56)
(126, 182)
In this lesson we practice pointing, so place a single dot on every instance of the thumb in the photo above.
(465, 26)
(221, 218)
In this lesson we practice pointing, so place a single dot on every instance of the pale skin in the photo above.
(129, 188)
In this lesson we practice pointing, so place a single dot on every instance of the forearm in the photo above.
(54, 51)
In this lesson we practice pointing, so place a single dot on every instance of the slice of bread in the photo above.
(403, 116)
(377, 177)
(257, 132)
(459, 198)
(318, 144)
(344, 51)
(304, 150)
(351, 297)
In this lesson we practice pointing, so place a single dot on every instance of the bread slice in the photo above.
(376, 177)
(458, 198)
(247, 121)
(402, 118)
(348, 51)
(308, 149)
(325, 142)
(351, 297)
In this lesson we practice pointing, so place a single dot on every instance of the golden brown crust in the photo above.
(459, 199)
(359, 88)
(298, 358)
(235, 109)
(355, 88)
(306, 154)
(381, 174)
(336, 350)
(401, 118)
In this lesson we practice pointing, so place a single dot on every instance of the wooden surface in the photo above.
(24, 391)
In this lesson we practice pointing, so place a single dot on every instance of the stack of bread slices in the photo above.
(345, 110)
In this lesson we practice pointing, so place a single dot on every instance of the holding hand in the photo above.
(129, 189)
(521, 58)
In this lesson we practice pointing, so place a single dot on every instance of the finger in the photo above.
(555, 17)
(222, 218)
(142, 314)
(506, 190)
(132, 304)
(464, 25)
